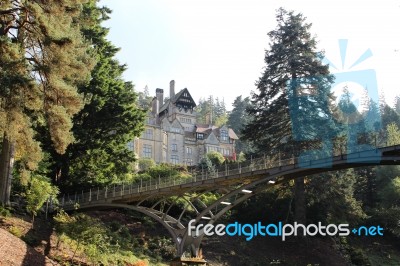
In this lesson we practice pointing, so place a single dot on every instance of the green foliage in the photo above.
(221, 120)
(241, 157)
(211, 109)
(276, 202)
(146, 164)
(330, 198)
(44, 58)
(110, 118)
(389, 116)
(209, 198)
(4, 212)
(390, 193)
(168, 170)
(17, 231)
(162, 171)
(216, 158)
(393, 134)
(206, 165)
(88, 235)
(291, 58)
(107, 243)
(237, 119)
(145, 99)
(387, 217)
(358, 257)
(40, 190)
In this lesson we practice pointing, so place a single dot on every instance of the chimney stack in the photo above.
(160, 98)
(172, 90)
(154, 106)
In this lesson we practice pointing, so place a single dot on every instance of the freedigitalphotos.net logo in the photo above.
(314, 120)
(280, 230)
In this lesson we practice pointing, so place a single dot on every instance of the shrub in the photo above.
(146, 163)
(17, 231)
(4, 212)
(216, 158)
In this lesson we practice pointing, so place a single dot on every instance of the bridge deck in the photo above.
(259, 171)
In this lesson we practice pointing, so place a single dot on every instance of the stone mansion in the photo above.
(172, 134)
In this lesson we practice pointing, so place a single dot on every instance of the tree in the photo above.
(237, 119)
(212, 111)
(40, 190)
(293, 98)
(145, 99)
(389, 115)
(110, 118)
(331, 199)
(393, 134)
(43, 59)
(206, 165)
(203, 110)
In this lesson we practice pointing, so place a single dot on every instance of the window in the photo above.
(147, 151)
(185, 120)
(174, 147)
(176, 130)
(148, 133)
(200, 136)
(174, 159)
(226, 152)
(212, 148)
(224, 135)
(188, 150)
(131, 146)
(189, 162)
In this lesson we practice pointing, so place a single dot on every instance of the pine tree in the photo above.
(330, 197)
(293, 68)
(237, 119)
(389, 115)
(212, 111)
(293, 93)
(145, 99)
(110, 118)
(43, 59)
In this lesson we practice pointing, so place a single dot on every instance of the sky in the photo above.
(217, 47)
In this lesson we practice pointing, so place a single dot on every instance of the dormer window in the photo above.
(224, 135)
(200, 136)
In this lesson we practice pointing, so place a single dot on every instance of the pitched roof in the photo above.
(232, 134)
(180, 93)
(201, 128)
(176, 98)
(164, 106)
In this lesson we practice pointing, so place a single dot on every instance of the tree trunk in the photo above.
(299, 199)
(6, 169)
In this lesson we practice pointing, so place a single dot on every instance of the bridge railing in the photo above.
(141, 186)
(125, 188)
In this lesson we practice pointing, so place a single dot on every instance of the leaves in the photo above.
(40, 190)
(293, 94)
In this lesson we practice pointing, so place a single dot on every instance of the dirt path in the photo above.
(14, 251)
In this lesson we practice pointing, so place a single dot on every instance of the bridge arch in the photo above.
(238, 186)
